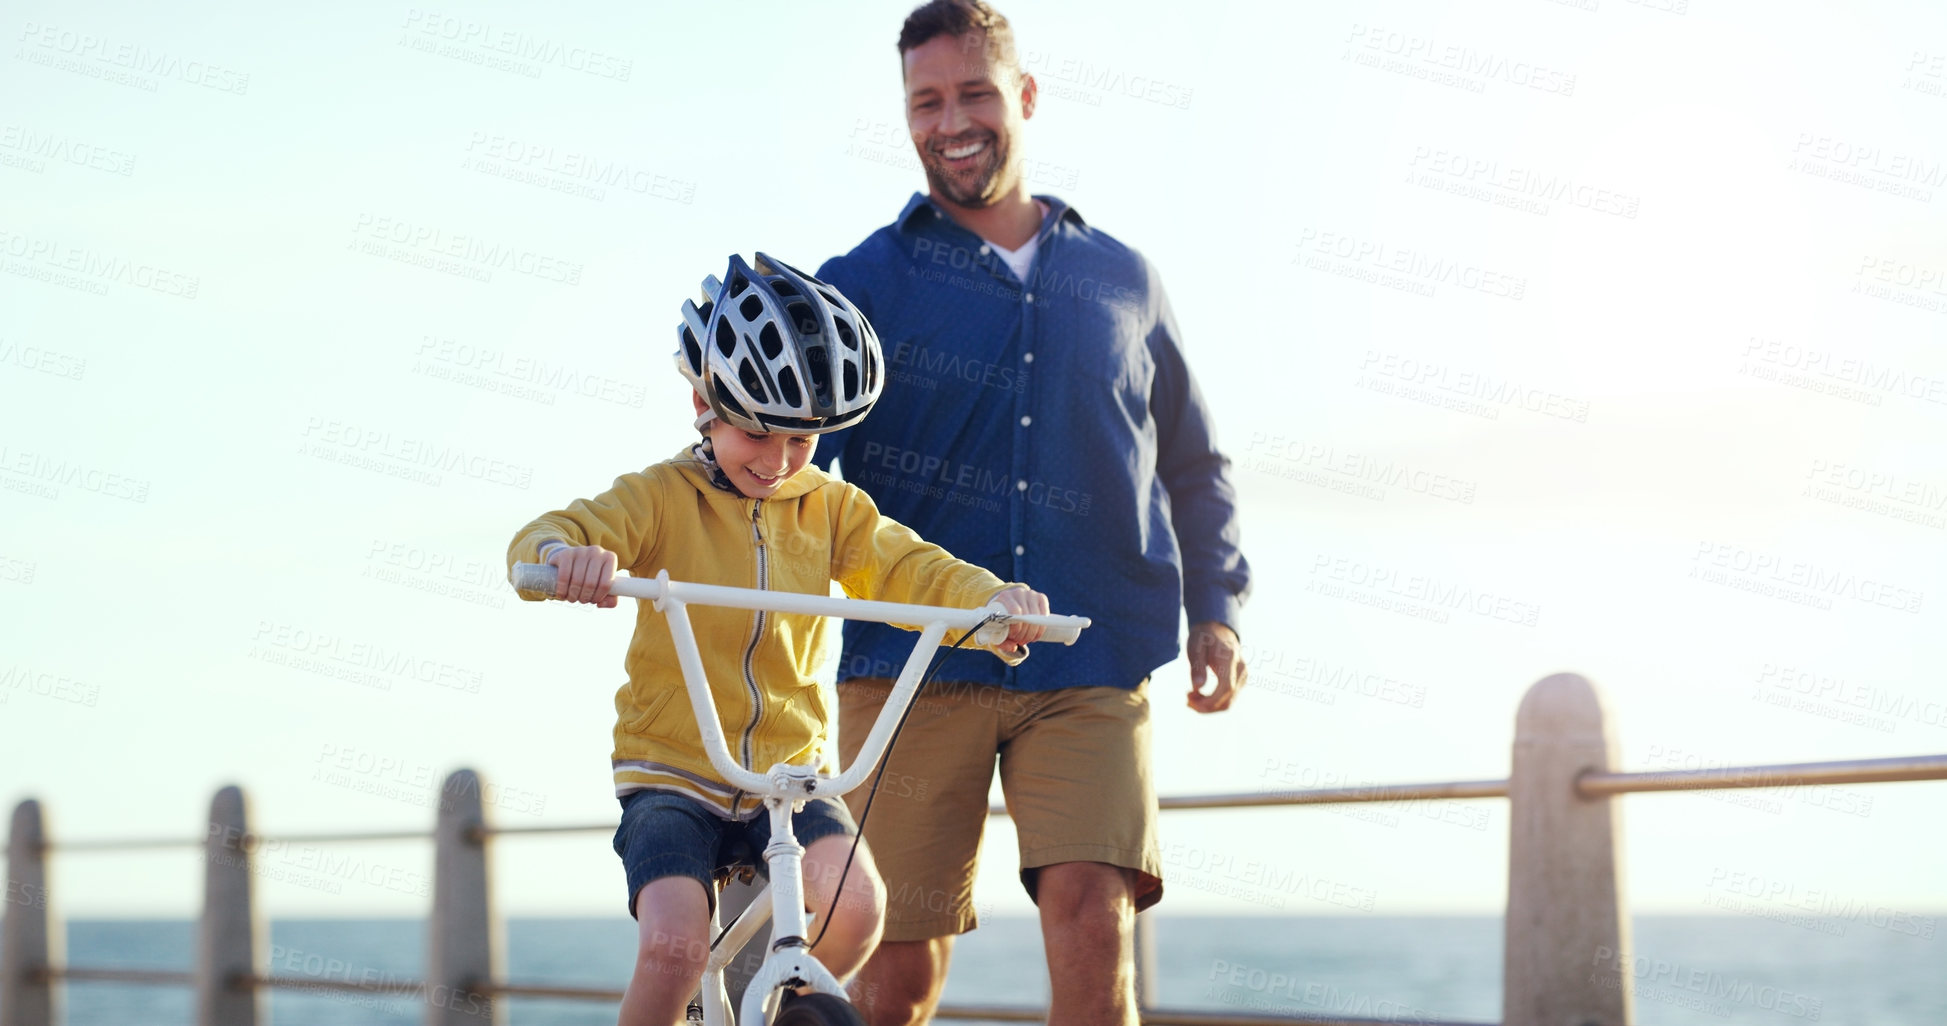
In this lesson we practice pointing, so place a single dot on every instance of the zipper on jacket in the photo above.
(756, 634)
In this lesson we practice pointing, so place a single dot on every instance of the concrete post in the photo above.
(1567, 945)
(466, 945)
(30, 937)
(228, 942)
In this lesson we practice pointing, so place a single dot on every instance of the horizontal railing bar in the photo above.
(1185, 1017)
(539, 990)
(416, 988)
(108, 844)
(1337, 795)
(1455, 789)
(380, 835)
(566, 828)
(400, 988)
(131, 844)
(93, 974)
(1855, 771)
(1182, 1017)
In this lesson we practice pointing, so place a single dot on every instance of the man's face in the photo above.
(965, 112)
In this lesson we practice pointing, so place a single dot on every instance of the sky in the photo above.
(1600, 337)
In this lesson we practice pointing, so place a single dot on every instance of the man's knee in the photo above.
(1086, 893)
(901, 981)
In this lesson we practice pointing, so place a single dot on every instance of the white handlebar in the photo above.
(538, 580)
(672, 599)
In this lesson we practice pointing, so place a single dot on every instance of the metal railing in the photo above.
(1567, 954)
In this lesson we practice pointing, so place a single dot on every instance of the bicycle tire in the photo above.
(818, 1010)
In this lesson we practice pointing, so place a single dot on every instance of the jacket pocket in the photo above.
(658, 703)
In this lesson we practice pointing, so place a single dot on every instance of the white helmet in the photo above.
(775, 349)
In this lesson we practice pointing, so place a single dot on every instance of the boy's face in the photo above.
(758, 464)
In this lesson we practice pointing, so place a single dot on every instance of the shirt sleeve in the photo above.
(621, 520)
(1203, 504)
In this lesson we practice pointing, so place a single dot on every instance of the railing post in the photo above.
(30, 934)
(465, 935)
(228, 952)
(1567, 954)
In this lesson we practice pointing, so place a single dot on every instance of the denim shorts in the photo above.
(669, 835)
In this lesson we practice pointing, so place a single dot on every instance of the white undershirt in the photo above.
(1019, 260)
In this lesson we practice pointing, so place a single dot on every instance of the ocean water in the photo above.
(1689, 971)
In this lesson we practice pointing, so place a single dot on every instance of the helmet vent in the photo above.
(787, 383)
(726, 338)
(821, 375)
(845, 335)
(703, 312)
(691, 351)
(730, 404)
(751, 307)
(802, 316)
(769, 339)
(784, 288)
(747, 373)
(851, 381)
(831, 297)
(737, 285)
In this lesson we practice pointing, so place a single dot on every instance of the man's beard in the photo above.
(980, 186)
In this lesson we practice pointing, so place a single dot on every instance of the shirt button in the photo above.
(1027, 357)
(983, 250)
(1029, 297)
(1025, 421)
(1021, 485)
(1020, 550)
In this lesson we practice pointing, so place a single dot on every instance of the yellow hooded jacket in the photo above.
(813, 530)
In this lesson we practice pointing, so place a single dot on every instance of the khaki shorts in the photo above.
(1074, 767)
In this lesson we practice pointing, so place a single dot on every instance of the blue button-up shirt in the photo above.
(1048, 430)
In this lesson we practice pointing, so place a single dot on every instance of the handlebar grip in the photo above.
(534, 580)
(995, 633)
(1062, 635)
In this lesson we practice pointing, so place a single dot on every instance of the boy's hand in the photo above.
(1023, 601)
(584, 574)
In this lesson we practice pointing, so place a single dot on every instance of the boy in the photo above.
(775, 358)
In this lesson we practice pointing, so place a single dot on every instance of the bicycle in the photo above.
(785, 788)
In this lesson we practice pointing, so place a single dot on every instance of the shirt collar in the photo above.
(921, 205)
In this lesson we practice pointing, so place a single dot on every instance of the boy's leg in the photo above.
(925, 834)
(673, 934)
(668, 846)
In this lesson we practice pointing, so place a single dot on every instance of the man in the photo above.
(1038, 419)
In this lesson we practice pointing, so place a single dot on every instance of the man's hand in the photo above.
(584, 574)
(1213, 650)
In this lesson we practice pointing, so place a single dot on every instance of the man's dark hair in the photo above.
(960, 19)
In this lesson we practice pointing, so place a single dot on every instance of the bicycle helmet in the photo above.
(774, 349)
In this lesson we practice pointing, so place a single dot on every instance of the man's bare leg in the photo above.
(1088, 925)
(901, 983)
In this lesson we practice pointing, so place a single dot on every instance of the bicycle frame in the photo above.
(783, 787)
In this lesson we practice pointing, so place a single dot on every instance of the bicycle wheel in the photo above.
(818, 1010)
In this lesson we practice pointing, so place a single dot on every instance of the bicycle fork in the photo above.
(789, 960)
